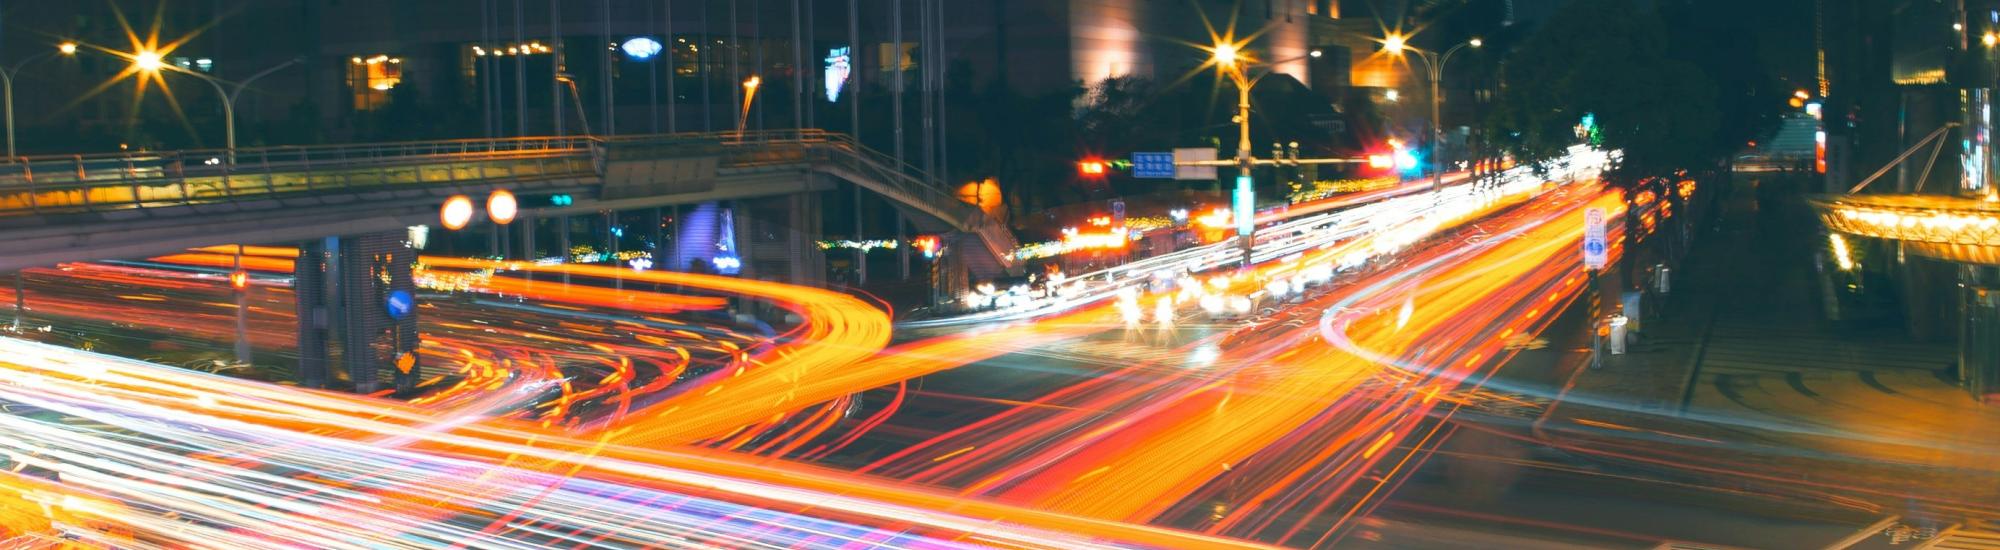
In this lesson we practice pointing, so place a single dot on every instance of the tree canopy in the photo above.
(1610, 59)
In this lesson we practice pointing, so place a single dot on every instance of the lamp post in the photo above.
(1396, 44)
(574, 96)
(7, 90)
(7, 84)
(149, 61)
(1233, 63)
(749, 95)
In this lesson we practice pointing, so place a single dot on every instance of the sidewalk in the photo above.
(1655, 373)
(1744, 371)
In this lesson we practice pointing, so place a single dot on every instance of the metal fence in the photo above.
(40, 185)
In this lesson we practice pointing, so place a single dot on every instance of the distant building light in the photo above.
(420, 236)
(1392, 96)
(838, 66)
(641, 48)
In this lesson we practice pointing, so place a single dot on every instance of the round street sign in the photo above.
(399, 304)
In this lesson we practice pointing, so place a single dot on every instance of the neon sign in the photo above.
(641, 48)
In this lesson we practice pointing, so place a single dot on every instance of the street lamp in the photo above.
(1229, 60)
(1225, 55)
(1396, 44)
(149, 61)
(576, 97)
(749, 94)
(7, 83)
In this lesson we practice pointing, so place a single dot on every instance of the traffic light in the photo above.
(1381, 161)
(561, 200)
(239, 280)
(1093, 168)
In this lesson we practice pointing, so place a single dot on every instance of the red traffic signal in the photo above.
(239, 280)
(1091, 167)
(1381, 161)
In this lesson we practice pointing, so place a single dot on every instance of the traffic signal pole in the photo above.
(240, 284)
(1243, 201)
(1246, 191)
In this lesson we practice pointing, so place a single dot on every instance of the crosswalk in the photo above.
(1972, 536)
(1742, 354)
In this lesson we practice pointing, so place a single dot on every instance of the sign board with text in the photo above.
(1595, 251)
(1185, 155)
(1153, 165)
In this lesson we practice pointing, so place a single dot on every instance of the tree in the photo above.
(1609, 59)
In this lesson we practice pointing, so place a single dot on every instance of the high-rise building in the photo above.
(467, 68)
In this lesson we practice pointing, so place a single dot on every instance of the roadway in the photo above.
(1140, 409)
(1010, 410)
(500, 336)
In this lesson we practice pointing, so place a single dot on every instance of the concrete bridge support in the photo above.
(344, 285)
(777, 238)
(1979, 335)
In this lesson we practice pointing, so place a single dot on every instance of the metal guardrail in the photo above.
(842, 150)
(91, 183)
(38, 185)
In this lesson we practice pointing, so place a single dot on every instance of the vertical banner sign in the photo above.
(837, 68)
(1594, 251)
(1245, 209)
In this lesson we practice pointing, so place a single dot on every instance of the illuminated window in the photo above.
(201, 64)
(371, 78)
(887, 51)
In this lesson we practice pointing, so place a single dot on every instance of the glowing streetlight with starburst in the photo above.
(7, 90)
(146, 60)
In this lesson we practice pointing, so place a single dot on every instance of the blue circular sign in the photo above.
(399, 303)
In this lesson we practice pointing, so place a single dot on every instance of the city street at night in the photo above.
(1020, 274)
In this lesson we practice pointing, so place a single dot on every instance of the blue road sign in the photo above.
(1153, 165)
(399, 303)
(1594, 248)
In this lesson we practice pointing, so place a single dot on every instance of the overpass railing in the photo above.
(749, 150)
(37, 185)
(121, 181)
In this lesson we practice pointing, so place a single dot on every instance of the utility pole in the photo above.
(1227, 59)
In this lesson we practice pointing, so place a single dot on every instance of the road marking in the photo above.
(1865, 532)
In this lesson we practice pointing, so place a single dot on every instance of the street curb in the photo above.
(1694, 361)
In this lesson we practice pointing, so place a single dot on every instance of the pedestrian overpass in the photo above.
(68, 208)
